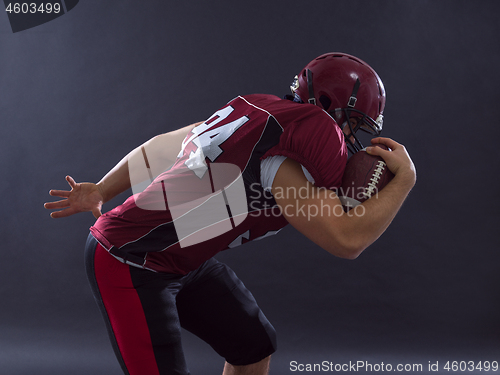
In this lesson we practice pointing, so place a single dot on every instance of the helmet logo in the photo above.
(295, 84)
(380, 122)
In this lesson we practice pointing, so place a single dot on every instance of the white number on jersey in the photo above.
(208, 140)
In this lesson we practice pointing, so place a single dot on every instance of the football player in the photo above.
(255, 165)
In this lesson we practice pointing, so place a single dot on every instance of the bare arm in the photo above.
(318, 213)
(162, 149)
(87, 196)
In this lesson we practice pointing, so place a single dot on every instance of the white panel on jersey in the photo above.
(205, 199)
(269, 167)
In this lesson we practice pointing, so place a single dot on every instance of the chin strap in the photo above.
(356, 145)
(353, 99)
(312, 99)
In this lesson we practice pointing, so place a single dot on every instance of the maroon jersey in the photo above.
(211, 199)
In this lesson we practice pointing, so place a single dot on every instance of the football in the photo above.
(364, 176)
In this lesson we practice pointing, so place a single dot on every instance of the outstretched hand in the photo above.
(83, 196)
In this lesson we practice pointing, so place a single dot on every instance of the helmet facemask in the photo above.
(364, 123)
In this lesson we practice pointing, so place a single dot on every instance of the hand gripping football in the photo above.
(364, 176)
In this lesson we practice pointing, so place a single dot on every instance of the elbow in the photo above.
(351, 253)
(349, 250)
(347, 241)
(347, 246)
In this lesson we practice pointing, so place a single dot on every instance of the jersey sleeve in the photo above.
(313, 139)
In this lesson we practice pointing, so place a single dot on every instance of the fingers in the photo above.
(398, 160)
(63, 213)
(377, 151)
(64, 193)
(71, 181)
(56, 205)
(391, 143)
(64, 206)
(60, 193)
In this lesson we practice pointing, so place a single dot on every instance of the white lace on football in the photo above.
(372, 185)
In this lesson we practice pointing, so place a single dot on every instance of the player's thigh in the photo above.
(157, 294)
(139, 312)
(218, 308)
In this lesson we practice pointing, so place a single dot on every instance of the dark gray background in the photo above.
(78, 93)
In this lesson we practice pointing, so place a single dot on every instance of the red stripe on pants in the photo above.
(125, 313)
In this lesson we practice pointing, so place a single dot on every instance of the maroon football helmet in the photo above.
(345, 87)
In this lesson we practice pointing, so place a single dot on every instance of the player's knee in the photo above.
(258, 346)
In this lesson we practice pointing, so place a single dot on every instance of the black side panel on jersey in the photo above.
(251, 175)
(158, 239)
